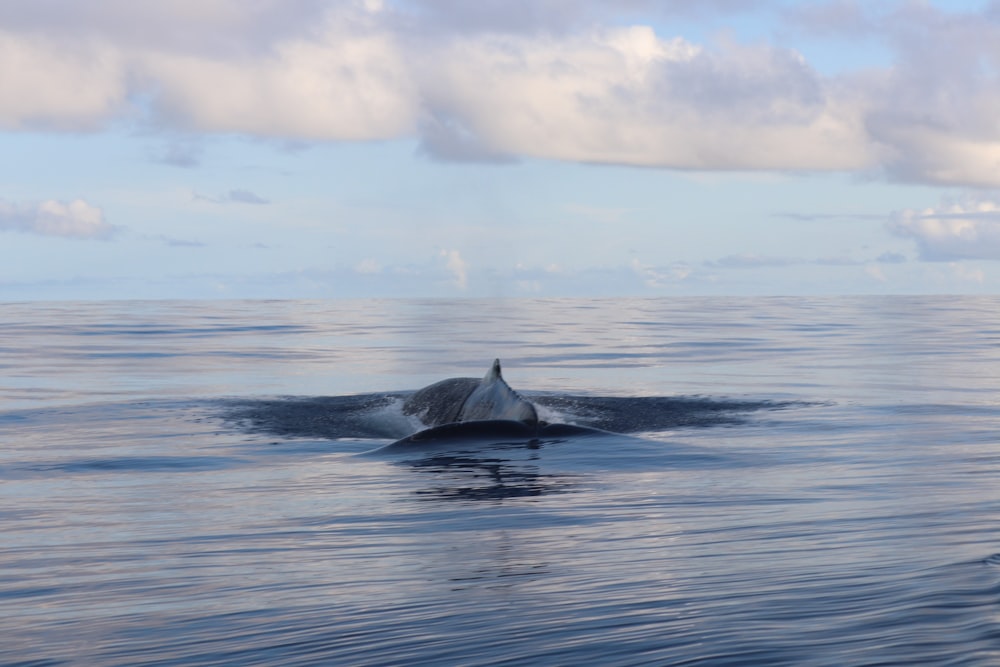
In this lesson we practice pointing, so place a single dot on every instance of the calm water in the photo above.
(796, 482)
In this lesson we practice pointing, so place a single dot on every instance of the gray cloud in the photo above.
(935, 113)
(750, 261)
(891, 258)
(838, 18)
(237, 196)
(753, 261)
(499, 15)
(736, 84)
(206, 27)
(556, 16)
(246, 197)
(820, 217)
(445, 138)
(183, 154)
(179, 243)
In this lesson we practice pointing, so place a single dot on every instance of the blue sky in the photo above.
(311, 148)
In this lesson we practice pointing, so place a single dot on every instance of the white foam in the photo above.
(551, 415)
(390, 420)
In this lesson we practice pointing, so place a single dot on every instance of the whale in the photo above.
(457, 400)
(475, 414)
(465, 410)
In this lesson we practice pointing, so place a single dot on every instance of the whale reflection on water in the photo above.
(469, 477)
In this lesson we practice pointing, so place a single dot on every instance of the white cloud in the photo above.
(968, 229)
(941, 152)
(336, 77)
(368, 267)
(47, 84)
(458, 268)
(495, 81)
(931, 116)
(76, 219)
(626, 96)
(349, 82)
(875, 272)
(655, 277)
(967, 273)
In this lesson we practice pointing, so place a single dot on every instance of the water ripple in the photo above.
(805, 482)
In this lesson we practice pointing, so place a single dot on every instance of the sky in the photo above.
(509, 148)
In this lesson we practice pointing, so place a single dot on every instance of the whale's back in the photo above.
(441, 402)
(468, 399)
(493, 398)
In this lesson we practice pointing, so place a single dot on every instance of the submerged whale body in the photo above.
(467, 409)
(464, 411)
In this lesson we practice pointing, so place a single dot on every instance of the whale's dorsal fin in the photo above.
(494, 399)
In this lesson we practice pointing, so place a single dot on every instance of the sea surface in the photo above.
(777, 481)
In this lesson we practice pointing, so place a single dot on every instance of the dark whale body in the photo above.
(463, 410)
(468, 399)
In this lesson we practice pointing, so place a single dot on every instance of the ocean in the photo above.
(776, 481)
